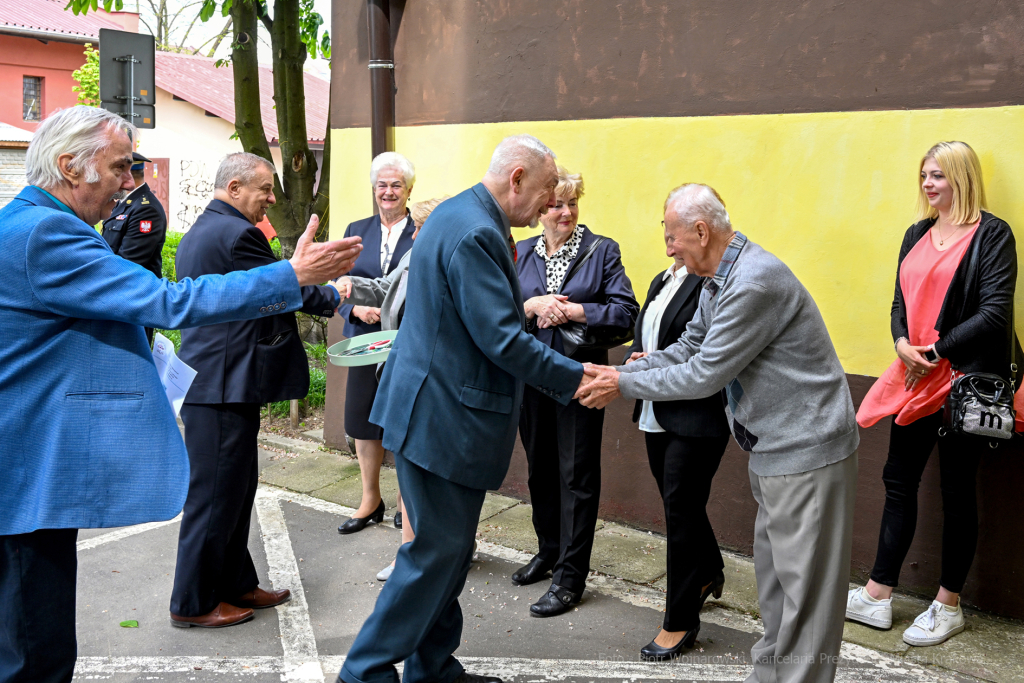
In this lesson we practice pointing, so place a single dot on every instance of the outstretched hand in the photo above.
(599, 386)
(316, 262)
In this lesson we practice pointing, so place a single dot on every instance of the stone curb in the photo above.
(988, 650)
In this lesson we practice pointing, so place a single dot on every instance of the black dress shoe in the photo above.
(656, 653)
(398, 520)
(359, 523)
(713, 588)
(556, 601)
(532, 572)
(466, 677)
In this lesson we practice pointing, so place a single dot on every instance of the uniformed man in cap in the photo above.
(137, 227)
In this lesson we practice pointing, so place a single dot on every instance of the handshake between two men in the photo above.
(599, 385)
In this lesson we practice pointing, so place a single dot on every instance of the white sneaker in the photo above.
(863, 608)
(385, 574)
(935, 625)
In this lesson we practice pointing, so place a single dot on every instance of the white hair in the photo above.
(517, 151)
(240, 166)
(83, 132)
(396, 161)
(696, 202)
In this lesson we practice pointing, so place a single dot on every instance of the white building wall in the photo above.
(195, 143)
(12, 174)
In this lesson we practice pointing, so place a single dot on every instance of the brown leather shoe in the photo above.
(261, 599)
(221, 616)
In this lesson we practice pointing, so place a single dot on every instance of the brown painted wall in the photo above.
(470, 61)
(629, 495)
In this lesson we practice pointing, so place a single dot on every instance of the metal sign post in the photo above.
(128, 76)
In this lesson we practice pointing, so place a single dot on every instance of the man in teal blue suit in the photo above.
(449, 403)
(90, 439)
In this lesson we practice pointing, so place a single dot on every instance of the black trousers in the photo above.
(38, 572)
(563, 449)
(909, 449)
(214, 564)
(684, 466)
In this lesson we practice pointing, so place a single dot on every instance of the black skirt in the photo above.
(359, 394)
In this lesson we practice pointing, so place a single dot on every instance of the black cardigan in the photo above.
(974, 322)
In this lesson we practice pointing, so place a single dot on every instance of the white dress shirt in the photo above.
(388, 241)
(651, 330)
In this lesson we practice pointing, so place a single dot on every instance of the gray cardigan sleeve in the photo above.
(704, 361)
(372, 291)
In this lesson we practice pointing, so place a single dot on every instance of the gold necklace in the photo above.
(942, 240)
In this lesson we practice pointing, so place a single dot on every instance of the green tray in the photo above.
(336, 351)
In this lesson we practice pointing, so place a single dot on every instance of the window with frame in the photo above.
(32, 98)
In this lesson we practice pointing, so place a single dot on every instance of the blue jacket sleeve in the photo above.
(251, 250)
(483, 297)
(72, 272)
(620, 307)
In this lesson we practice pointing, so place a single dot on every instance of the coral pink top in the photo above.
(924, 276)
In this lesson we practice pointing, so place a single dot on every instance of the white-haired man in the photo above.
(449, 405)
(759, 336)
(78, 377)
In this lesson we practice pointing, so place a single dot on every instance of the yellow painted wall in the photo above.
(830, 194)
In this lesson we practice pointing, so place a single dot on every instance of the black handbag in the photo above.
(580, 336)
(981, 403)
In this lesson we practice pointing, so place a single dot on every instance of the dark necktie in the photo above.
(512, 246)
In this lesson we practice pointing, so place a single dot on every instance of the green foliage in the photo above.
(169, 252)
(83, 6)
(310, 22)
(174, 336)
(275, 246)
(316, 354)
(88, 77)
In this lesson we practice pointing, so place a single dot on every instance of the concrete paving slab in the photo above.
(512, 528)
(495, 503)
(132, 579)
(349, 490)
(309, 472)
(315, 434)
(740, 592)
(636, 556)
(288, 444)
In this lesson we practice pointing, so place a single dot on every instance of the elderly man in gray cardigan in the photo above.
(759, 336)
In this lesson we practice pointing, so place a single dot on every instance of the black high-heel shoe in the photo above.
(653, 652)
(713, 588)
(359, 523)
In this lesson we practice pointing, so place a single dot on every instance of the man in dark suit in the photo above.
(239, 366)
(449, 404)
(137, 226)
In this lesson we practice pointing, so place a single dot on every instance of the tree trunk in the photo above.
(299, 165)
(322, 202)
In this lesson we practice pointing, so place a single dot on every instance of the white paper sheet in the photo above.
(174, 374)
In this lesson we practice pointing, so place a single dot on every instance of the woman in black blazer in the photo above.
(386, 238)
(685, 443)
(563, 443)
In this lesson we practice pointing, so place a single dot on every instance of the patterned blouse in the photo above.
(558, 263)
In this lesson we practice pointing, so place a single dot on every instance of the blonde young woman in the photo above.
(943, 317)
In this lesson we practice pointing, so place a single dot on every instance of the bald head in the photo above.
(522, 177)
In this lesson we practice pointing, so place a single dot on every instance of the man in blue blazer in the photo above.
(449, 403)
(240, 365)
(90, 439)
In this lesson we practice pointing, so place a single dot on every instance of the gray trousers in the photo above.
(802, 540)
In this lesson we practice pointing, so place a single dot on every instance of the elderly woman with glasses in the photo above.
(386, 238)
(579, 301)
